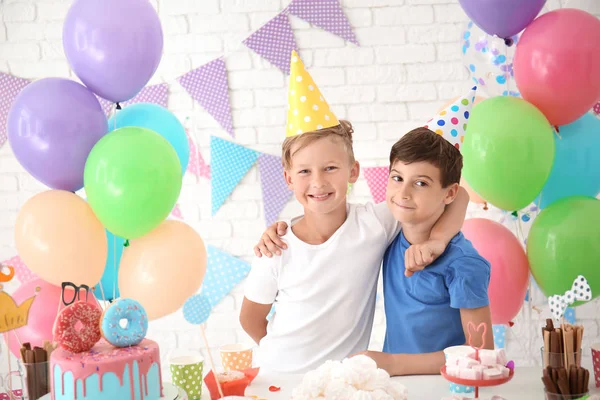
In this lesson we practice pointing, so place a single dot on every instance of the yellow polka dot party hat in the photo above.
(308, 111)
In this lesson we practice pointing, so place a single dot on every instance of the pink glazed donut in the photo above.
(76, 340)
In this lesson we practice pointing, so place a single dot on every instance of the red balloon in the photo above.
(557, 64)
(510, 267)
(42, 313)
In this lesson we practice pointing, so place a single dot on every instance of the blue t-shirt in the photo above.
(423, 312)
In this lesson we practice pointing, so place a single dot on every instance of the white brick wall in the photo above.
(407, 66)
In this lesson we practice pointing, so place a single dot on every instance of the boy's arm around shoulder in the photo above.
(260, 291)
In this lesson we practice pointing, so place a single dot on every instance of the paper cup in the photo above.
(459, 351)
(236, 357)
(596, 362)
(186, 373)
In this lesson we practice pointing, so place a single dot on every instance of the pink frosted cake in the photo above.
(107, 372)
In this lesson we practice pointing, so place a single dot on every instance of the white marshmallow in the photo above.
(501, 357)
(491, 373)
(467, 373)
(452, 371)
(467, 362)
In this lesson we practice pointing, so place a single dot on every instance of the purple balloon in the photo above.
(52, 126)
(503, 18)
(113, 46)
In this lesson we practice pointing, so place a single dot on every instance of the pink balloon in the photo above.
(42, 313)
(510, 267)
(557, 64)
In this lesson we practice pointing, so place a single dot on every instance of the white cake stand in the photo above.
(170, 392)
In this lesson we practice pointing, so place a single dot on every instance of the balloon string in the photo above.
(212, 363)
(114, 267)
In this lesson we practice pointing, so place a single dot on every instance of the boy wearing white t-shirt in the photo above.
(324, 285)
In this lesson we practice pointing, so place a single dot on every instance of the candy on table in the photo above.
(488, 357)
(452, 371)
(479, 368)
(467, 362)
(491, 373)
(467, 373)
(501, 357)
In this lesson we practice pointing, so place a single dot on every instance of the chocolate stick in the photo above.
(579, 338)
(41, 371)
(546, 347)
(573, 378)
(570, 344)
(31, 378)
(586, 381)
(563, 381)
(580, 380)
(550, 386)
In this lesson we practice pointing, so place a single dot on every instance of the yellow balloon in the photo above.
(60, 239)
(163, 268)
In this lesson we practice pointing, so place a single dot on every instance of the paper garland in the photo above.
(499, 336)
(326, 14)
(223, 273)
(10, 86)
(22, 272)
(176, 212)
(274, 188)
(377, 180)
(197, 165)
(208, 85)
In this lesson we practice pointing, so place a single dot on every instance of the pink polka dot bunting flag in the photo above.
(274, 189)
(10, 87)
(197, 165)
(22, 272)
(377, 180)
(176, 213)
(326, 14)
(156, 94)
(208, 85)
(274, 42)
(451, 122)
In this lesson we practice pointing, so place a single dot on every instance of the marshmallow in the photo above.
(479, 368)
(467, 373)
(488, 357)
(503, 370)
(501, 357)
(452, 371)
(467, 362)
(491, 373)
(452, 361)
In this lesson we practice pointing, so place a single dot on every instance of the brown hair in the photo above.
(421, 144)
(343, 132)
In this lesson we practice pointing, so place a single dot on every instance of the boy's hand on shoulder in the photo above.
(418, 256)
(270, 242)
(384, 361)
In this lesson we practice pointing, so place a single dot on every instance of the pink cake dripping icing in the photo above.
(104, 358)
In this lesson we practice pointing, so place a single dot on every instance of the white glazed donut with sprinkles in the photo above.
(136, 323)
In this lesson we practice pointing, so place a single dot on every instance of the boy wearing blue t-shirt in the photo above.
(431, 310)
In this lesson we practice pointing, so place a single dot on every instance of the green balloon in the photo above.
(508, 151)
(564, 242)
(132, 180)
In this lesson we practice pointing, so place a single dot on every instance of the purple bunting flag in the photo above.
(208, 85)
(274, 189)
(10, 87)
(274, 41)
(326, 14)
(157, 94)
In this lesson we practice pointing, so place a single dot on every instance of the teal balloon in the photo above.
(157, 119)
(576, 169)
(110, 278)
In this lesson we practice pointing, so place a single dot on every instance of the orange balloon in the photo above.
(60, 239)
(478, 99)
(474, 197)
(163, 268)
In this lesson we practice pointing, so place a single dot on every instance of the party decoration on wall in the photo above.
(7, 273)
(196, 309)
(451, 123)
(308, 111)
(570, 315)
(10, 86)
(53, 125)
(274, 188)
(176, 213)
(489, 61)
(576, 164)
(580, 291)
(230, 162)
(557, 67)
(132, 179)
(377, 178)
(157, 119)
(208, 85)
(155, 94)
(499, 336)
(326, 14)
(125, 45)
(22, 273)
(503, 18)
(509, 266)
(197, 165)
(573, 224)
(506, 133)
(274, 41)
(13, 316)
(223, 273)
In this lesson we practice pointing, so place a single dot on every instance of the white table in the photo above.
(170, 392)
(526, 385)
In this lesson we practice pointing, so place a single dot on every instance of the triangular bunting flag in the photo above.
(274, 189)
(197, 165)
(208, 85)
(377, 180)
(229, 164)
(10, 87)
(156, 94)
(176, 213)
(451, 122)
(274, 42)
(23, 273)
(326, 14)
(223, 273)
(499, 336)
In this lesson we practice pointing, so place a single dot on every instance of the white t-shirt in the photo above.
(324, 294)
